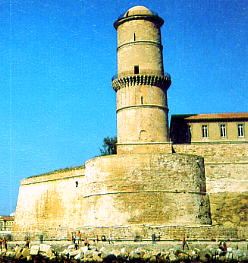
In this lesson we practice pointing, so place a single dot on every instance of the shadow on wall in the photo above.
(179, 130)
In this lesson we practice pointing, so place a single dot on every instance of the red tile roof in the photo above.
(7, 218)
(241, 115)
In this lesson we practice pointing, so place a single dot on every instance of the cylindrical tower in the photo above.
(141, 85)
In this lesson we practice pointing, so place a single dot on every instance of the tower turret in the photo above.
(141, 84)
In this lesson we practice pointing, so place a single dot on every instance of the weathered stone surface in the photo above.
(34, 250)
(145, 188)
(226, 167)
(149, 186)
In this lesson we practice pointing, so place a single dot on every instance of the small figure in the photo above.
(221, 246)
(76, 246)
(41, 238)
(5, 245)
(94, 243)
(153, 238)
(27, 242)
(185, 243)
(224, 246)
(73, 237)
(79, 237)
(86, 242)
(110, 239)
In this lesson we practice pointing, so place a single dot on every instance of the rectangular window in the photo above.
(134, 37)
(204, 131)
(136, 69)
(241, 130)
(222, 130)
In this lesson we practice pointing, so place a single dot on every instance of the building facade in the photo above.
(6, 223)
(221, 127)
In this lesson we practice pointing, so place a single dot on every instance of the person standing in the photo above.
(79, 237)
(153, 238)
(110, 239)
(5, 245)
(185, 243)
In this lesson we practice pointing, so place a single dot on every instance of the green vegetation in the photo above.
(109, 146)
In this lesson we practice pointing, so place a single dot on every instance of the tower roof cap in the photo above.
(138, 13)
(137, 10)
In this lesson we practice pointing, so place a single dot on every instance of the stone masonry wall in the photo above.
(64, 201)
(226, 166)
(50, 201)
(146, 188)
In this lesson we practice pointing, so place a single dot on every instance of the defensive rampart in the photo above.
(113, 191)
(226, 166)
(146, 189)
(50, 201)
(128, 194)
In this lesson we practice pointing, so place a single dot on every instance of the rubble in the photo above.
(72, 254)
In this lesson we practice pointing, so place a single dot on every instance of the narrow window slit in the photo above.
(136, 69)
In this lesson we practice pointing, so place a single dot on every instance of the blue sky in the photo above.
(56, 63)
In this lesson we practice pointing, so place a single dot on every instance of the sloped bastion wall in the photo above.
(115, 191)
(49, 202)
(146, 189)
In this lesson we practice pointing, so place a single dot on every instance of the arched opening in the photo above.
(143, 135)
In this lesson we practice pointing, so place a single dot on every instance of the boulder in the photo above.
(50, 254)
(17, 248)
(18, 251)
(134, 255)
(153, 259)
(238, 254)
(10, 254)
(84, 249)
(96, 256)
(29, 258)
(65, 252)
(45, 248)
(79, 256)
(25, 252)
(73, 253)
(71, 246)
(88, 254)
(34, 250)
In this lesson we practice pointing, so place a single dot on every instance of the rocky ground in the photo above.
(120, 252)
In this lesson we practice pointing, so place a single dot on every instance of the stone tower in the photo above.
(141, 85)
(144, 187)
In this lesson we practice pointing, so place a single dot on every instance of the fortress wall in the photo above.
(145, 188)
(226, 168)
(226, 165)
(215, 151)
(144, 148)
(144, 232)
(50, 201)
